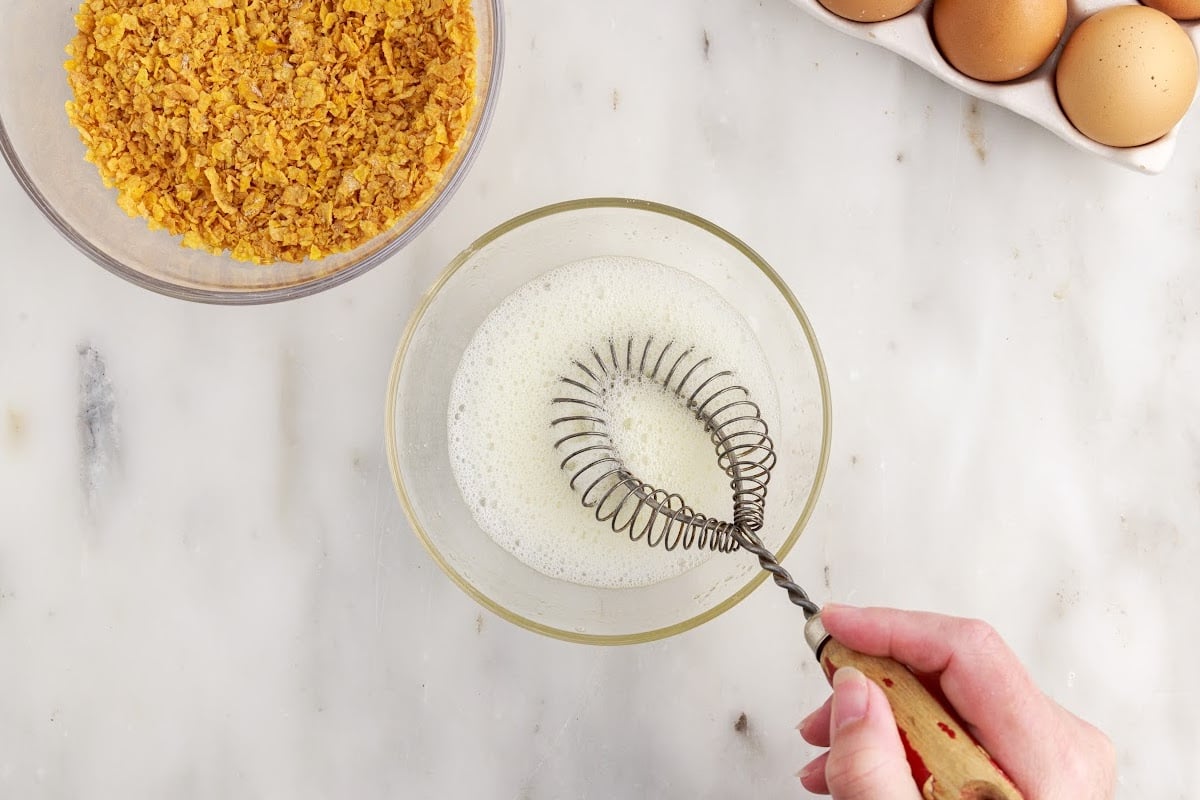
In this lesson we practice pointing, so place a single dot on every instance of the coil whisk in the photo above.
(733, 421)
(740, 437)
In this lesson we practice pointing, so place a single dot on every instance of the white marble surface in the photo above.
(207, 588)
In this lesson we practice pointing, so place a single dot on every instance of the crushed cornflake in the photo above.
(275, 130)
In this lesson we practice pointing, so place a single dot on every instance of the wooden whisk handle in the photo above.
(947, 763)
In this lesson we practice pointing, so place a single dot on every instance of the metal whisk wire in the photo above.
(617, 497)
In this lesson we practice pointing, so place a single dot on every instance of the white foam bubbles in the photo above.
(502, 446)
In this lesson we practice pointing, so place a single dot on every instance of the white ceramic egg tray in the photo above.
(1032, 97)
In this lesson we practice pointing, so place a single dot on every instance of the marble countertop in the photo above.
(208, 589)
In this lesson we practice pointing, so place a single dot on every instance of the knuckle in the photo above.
(980, 636)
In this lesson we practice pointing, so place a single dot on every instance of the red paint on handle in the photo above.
(932, 681)
(946, 729)
(920, 772)
(888, 682)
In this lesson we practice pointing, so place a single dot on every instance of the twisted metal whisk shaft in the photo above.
(783, 579)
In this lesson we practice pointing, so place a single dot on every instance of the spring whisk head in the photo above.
(630, 505)
(733, 421)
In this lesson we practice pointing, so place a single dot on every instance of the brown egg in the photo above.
(1179, 9)
(998, 40)
(1126, 76)
(870, 10)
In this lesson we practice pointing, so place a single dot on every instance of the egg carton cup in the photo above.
(1032, 96)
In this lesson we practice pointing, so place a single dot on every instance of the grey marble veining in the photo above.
(207, 587)
(99, 430)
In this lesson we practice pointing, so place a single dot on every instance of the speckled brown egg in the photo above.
(1179, 9)
(1126, 76)
(998, 40)
(869, 10)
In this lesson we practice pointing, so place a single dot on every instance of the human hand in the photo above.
(986, 686)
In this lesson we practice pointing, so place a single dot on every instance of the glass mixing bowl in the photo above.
(46, 155)
(475, 282)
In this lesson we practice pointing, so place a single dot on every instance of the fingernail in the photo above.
(805, 721)
(808, 771)
(837, 608)
(831, 609)
(849, 697)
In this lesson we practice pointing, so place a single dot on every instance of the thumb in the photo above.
(866, 759)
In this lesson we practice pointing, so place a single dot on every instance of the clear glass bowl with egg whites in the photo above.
(441, 328)
(46, 155)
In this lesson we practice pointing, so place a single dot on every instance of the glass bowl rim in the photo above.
(433, 292)
(311, 286)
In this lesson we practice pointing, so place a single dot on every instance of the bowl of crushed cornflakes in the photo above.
(245, 151)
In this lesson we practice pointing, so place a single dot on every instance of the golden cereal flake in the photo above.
(272, 129)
